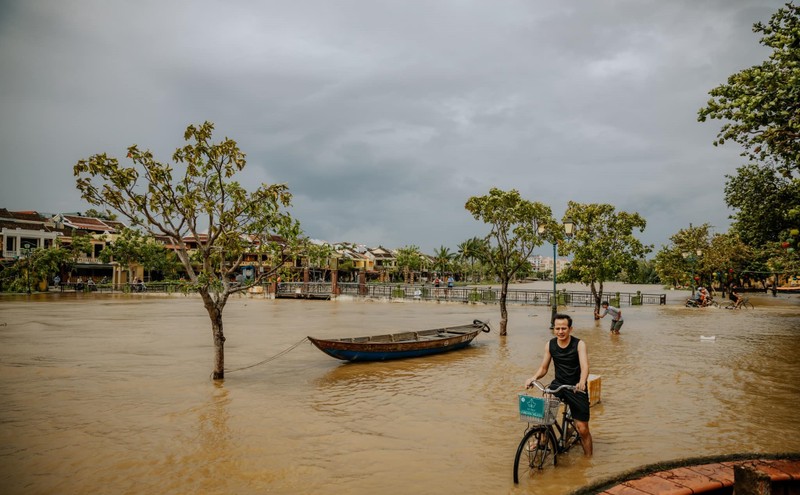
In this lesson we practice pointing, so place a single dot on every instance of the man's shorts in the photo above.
(578, 402)
(616, 325)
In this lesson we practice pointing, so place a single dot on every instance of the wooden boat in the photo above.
(401, 345)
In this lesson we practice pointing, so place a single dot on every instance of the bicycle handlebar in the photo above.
(547, 390)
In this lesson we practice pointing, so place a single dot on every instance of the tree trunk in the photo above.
(597, 299)
(215, 314)
(503, 309)
(219, 349)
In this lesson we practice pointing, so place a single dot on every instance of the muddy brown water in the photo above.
(111, 394)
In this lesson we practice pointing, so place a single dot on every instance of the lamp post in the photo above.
(692, 259)
(569, 230)
(27, 252)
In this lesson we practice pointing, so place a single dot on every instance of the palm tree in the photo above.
(442, 258)
(469, 250)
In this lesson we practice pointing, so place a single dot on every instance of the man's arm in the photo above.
(583, 357)
(542, 367)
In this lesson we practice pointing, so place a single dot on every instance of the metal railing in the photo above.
(492, 295)
(324, 290)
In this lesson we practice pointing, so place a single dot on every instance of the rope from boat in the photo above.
(484, 326)
(276, 356)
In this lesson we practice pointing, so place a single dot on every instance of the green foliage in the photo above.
(442, 259)
(721, 259)
(125, 249)
(203, 203)
(32, 268)
(156, 257)
(514, 224)
(762, 199)
(676, 263)
(204, 198)
(604, 244)
(644, 272)
(103, 215)
(318, 255)
(409, 259)
(470, 250)
(760, 105)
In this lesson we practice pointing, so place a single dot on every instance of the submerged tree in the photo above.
(203, 205)
(603, 245)
(513, 237)
(680, 261)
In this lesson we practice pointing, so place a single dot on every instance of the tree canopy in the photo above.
(762, 199)
(210, 218)
(513, 236)
(603, 245)
(760, 105)
(409, 260)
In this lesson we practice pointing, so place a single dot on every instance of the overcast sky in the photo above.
(384, 117)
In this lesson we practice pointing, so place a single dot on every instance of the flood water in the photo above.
(112, 394)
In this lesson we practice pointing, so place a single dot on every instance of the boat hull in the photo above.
(400, 345)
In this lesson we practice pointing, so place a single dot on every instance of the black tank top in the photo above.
(567, 363)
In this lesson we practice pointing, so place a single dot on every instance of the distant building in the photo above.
(21, 231)
(545, 263)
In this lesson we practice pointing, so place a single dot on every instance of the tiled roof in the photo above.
(87, 223)
(26, 216)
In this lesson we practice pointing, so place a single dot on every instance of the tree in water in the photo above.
(513, 237)
(212, 221)
(603, 245)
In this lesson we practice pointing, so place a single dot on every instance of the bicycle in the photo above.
(544, 437)
(746, 304)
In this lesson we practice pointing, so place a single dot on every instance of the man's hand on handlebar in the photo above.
(533, 382)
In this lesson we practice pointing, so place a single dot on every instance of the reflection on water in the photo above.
(111, 394)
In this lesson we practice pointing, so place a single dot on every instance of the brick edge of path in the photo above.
(752, 474)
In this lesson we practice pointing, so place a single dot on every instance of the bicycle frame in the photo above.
(540, 441)
(558, 429)
(567, 433)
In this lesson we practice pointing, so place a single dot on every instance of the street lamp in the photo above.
(692, 259)
(569, 230)
(27, 252)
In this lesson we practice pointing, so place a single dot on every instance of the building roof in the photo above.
(381, 253)
(22, 216)
(87, 223)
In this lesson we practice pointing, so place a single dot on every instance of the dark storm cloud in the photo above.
(385, 117)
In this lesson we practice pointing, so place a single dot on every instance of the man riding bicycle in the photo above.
(572, 368)
(734, 296)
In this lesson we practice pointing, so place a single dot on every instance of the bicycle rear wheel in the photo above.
(535, 450)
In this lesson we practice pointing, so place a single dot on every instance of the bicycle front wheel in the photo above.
(747, 305)
(535, 450)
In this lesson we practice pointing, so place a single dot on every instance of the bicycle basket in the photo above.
(538, 410)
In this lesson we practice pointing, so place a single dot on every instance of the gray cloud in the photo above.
(384, 117)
